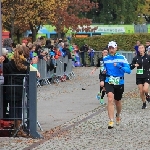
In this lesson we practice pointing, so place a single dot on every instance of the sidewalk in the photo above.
(62, 103)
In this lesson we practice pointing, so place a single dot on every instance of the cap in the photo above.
(112, 44)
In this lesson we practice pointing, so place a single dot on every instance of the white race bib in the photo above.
(114, 80)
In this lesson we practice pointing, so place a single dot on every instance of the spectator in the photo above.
(91, 55)
(147, 47)
(66, 51)
(57, 52)
(136, 47)
(52, 57)
(4, 54)
(24, 42)
(48, 44)
(18, 65)
(83, 50)
(7, 43)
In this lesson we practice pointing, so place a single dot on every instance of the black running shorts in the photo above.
(117, 90)
(142, 80)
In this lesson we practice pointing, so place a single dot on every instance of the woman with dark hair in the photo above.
(48, 43)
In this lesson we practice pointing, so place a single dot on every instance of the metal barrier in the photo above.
(19, 112)
(128, 55)
(92, 61)
(51, 74)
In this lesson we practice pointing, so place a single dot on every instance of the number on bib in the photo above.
(114, 80)
(139, 71)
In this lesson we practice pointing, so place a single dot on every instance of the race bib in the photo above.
(139, 71)
(114, 80)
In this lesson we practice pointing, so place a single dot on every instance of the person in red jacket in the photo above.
(57, 52)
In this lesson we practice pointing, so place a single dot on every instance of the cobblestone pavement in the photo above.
(92, 133)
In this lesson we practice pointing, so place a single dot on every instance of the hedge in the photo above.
(126, 42)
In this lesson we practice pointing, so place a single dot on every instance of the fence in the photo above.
(19, 106)
(51, 74)
(92, 60)
(140, 28)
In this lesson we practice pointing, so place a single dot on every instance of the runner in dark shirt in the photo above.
(100, 63)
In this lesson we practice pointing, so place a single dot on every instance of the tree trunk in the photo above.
(34, 32)
(59, 35)
(12, 30)
(19, 35)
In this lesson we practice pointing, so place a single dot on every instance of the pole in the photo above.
(1, 95)
(0, 29)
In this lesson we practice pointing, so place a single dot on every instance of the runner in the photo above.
(115, 66)
(100, 64)
(142, 62)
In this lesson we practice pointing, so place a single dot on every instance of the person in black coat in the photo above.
(83, 50)
(142, 63)
(14, 72)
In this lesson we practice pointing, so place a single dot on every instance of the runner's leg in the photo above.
(118, 96)
(102, 91)
(145, 90)
(142, 95)
(140, 82)
(110, 107)
(103, 94)
(118, 104)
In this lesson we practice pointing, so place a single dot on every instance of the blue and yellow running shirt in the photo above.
(122, 67)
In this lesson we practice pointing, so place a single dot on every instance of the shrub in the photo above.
(126, 42)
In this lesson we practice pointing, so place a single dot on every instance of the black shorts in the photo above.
(101, 78)
(142, 80)
(117, 90)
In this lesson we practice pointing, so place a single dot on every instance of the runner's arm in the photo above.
(132, 65)
(97, 66)
(125, 67)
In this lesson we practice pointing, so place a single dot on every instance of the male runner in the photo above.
(142, 62)
(101, 76)
(115, 66)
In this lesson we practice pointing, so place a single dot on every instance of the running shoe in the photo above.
(102, 101)
(148, 98)
(98, 96)
(110, 125)
(118, 120)
(144, 106)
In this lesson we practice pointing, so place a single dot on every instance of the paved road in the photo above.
(59, 104)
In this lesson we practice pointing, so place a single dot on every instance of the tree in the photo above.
(10, 11)
(20, 15)
(71, 17)
(143, 11)
(118, 11)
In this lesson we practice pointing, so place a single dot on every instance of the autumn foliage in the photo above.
(21, 15)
